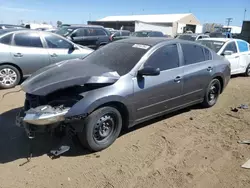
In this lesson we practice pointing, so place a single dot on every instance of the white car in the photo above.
(235, 50)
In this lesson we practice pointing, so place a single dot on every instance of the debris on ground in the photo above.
(244, 142)
(243, 106)
(234, 110)
(246, 164)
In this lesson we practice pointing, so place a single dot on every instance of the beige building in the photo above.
(169, 24)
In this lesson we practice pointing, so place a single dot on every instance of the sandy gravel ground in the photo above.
(194, 148)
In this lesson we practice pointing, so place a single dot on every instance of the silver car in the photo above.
(22, 52)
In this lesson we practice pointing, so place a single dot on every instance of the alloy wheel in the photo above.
(8, 77)
(213, 93)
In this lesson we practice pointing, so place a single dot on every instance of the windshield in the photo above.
(213, 45)
(64, 31)
(140, 34)
(187, 37)
(119, 57)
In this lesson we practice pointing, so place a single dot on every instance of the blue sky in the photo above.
(80, 11)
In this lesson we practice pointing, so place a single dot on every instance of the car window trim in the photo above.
(46, 46)
(13, 41)
(162, 45)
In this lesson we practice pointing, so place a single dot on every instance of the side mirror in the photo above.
(227, 52)
(73, 47)
(149, 71)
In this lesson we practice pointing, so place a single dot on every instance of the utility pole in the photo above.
(244, 14)
(228, 21)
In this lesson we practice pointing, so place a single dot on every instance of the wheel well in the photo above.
(17, 67)
(221, 82)
(122, 109)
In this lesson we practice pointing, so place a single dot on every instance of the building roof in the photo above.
(159, 18)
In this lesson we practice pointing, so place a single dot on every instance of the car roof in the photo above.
(146, 31)
(150, 41)
(82, 26)
(218, 39)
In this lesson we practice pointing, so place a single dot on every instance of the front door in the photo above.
(154, 95)
(60, 49)
(234, 59)
(28, 52)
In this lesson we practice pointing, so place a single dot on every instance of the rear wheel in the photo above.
(247, 73)
(9, 76)
(212, 93)
(101, 128)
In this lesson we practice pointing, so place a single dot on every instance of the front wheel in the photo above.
(212, 93)
(101, 128)
(247, 73)
(9, 76)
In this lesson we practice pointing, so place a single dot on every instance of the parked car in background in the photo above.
(120, 85)
(192, 37)
(237, 51)
(119, 34)
(147, 33)
(8, 26)
(86, 35)
(22, 52)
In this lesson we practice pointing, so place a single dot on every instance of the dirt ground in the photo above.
(191, 148)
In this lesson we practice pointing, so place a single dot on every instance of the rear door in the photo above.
(28, 52)
(60, 49)
(158, 94)
(102, 36)
(198, 69)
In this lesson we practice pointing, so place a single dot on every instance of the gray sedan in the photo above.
(22, 52)
(120, 85)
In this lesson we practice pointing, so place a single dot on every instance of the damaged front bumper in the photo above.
(40, 119)
(45, 115)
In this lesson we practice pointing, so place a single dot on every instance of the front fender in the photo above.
(87, 105)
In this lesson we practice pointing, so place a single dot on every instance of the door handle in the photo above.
(236, 56)
(18, 55)
(209, 69)
(53, 55)
(177, 79)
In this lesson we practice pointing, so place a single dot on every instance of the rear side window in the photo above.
(28, 40)
(243, 46)
(125, 33)
(158, 34)
(165, 58)
(208, 55)
(231, 47)
(100, 32)
(6, 39)
(192, 54)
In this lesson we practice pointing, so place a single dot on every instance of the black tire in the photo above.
(212, 93)
(247, 73)
(94, 135)
(14, 71)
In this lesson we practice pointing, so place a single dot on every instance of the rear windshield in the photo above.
(213, 45)
(187, 37)
(120, 57)
(64, 31)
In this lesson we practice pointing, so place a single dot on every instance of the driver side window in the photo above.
(57, 42)
(165, 58)
(231, 47)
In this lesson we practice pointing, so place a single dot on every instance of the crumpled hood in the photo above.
(66, 74)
